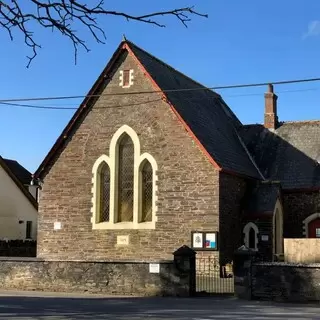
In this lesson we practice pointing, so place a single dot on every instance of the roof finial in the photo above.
(124, 37)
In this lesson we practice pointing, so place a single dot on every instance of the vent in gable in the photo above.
(126, 78)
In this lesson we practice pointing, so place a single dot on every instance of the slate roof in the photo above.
(19, 171)
(211, 121)
(291, 154)
(261, 198)
(206, 114)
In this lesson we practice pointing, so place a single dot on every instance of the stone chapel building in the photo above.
(151, 156)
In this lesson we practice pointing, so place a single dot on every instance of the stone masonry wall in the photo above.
(93, 277)
(232, 190)
(296, 208)
(285, 282)
(188, 193)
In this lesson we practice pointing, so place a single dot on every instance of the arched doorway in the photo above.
(312, 226)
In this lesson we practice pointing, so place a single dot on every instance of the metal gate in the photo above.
(212, 278)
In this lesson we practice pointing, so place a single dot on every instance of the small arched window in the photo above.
(251, 232)
(104, 205)
(252, 239)
(125, 179)
(146, 191)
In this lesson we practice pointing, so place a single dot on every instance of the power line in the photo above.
(75, 108)
(259, 94)
(59, 107)
(35, 106)
(165, 91)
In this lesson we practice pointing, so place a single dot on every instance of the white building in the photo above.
(18, 202)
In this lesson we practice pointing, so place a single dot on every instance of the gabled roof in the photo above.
(290, 154)
(19, 171)
(204, 114)
(6, 168)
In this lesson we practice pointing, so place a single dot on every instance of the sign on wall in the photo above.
(211, 240)
(57, 225)
(201, 240)
(123, 240)
(154, 268)
(197, 240)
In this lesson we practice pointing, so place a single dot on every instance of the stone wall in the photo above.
(187, 186)
(285, 282)
(18, 248)
(127, 278)
(302, 250)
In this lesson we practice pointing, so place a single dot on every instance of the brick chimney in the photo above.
(270, 111)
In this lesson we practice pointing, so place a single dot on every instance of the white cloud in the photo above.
(313, 29)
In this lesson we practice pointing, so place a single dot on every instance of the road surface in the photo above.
(45, 306)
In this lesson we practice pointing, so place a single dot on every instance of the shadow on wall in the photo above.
(289, 155)
(286, 282)
(18, 248)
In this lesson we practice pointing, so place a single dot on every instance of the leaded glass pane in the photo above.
(146, 212)
(104, 193)
(125, 182)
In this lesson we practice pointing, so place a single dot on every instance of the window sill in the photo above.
(123, 226)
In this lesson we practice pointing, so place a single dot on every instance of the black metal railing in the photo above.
(213, 278)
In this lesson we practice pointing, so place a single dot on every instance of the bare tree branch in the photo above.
(65, 15)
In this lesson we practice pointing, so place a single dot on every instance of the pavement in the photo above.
(59, 306)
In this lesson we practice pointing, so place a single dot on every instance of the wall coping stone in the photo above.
(286, 264)
(26, 259)
(34, 259)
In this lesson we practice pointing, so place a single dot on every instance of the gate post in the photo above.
(242, 263)
(185, 262)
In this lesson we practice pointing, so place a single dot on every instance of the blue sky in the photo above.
(241, 42)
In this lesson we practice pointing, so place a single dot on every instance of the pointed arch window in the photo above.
(251, 232)
(125, 179)
(146, 191)
(124, 185)
(104, 192)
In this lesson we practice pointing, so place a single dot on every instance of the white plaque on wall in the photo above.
(264, 237)
(197, 240)
(57, 225)
(154, 268)
(123, 240)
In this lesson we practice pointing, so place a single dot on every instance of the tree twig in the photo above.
(65, 16)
